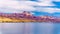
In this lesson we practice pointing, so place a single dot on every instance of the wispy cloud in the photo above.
(15, 6)
(49, 10)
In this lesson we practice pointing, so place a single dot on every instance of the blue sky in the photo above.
(57, 5)
(36, 7)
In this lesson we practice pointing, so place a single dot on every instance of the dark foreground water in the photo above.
(29, 28)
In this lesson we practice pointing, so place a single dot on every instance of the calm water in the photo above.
(29, 28)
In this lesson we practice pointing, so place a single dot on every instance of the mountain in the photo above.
(26, 17)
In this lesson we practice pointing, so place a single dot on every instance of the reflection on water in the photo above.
(29, 28)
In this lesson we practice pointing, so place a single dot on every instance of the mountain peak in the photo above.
(27, 13)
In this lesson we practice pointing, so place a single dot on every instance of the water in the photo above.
(29, 28)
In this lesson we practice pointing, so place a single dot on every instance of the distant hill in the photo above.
(26, 17)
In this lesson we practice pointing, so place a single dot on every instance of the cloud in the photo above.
(15, 6)
(56, 0)
(49, 10)
(48, 0)
(42, 6)
(34, 3)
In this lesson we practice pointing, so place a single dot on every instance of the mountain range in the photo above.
(26, 17)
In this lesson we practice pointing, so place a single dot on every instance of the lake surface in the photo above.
(29, 28)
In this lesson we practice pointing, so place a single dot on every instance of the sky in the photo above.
(36, 7)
